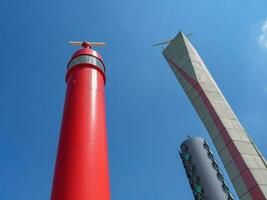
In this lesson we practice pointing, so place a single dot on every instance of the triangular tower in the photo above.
(244, 163)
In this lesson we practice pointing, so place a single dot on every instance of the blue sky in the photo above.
(148, 114)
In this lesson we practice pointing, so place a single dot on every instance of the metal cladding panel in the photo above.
(213, 131)
(246, 197)
(240, 186)
(264, 189)
(205, 178)
(219, 143)
(253, 161)
(229, 136)
(232, 170)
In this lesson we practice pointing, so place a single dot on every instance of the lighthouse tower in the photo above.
(81, 170)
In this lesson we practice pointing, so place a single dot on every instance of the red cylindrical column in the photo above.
(81, 171)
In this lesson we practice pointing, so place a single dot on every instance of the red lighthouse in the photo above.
(81, 171)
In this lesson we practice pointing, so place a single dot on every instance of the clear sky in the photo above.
(148, 114)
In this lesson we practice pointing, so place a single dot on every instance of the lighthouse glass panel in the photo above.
(86, 59)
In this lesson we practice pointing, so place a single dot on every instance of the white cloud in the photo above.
(263, 36)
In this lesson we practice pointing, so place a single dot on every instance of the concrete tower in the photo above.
(81, 171)
(244, 163)
(205, 178)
